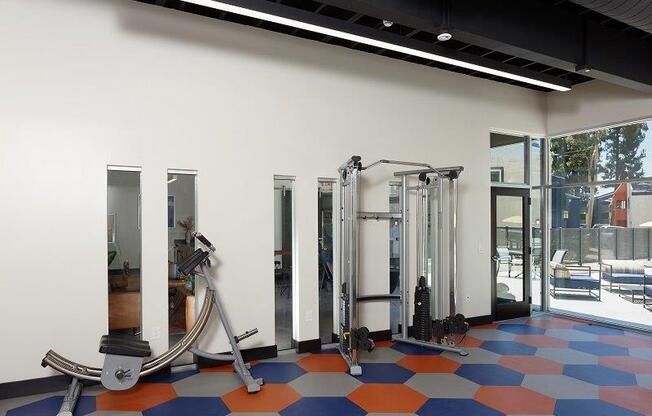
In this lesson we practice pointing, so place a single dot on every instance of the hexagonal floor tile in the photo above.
(491, 335)
(552, 323)
(286, 357)
(541, 341)
(397, 398)
(207, 384)
(598, 329)
(470, 342)
(508, 348)
(456, 407)
(476, 356)
(196, 406)
(633, 365)
(490, 375)
(531, 365)
(566, 356)
(637, 399)
(384, 373)
(644, 380)
(410, 349)
(644, 353)
(325, 384)
(323, 363)
(381, 355)
(515, 400)
(51, 405)
(443, 386)
(598, 348)
(323, 406)
(521, 329)
(271, 398)
(625, 341)
(429, 364)
(277, 372)
(575, 407)
(560, 386)
(599, 375)
(571, 335)
(112, 413)
(138, 398)
(162, 377)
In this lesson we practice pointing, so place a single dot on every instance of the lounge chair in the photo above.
(572, 277)
(628, 274)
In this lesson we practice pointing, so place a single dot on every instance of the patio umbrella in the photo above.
(517, 219)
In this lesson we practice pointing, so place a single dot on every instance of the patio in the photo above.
(611, 306)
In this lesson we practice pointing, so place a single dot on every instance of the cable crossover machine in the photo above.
(440, 333)
(125, 356)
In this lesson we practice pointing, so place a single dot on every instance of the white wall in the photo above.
(595, 104)
(87, 83)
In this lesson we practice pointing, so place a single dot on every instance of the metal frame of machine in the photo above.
(430, 179)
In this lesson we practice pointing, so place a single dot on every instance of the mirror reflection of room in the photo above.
(124, 251)
(181, 223)
(325, 235)
(283, 241)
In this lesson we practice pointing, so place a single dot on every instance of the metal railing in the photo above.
(592, 245)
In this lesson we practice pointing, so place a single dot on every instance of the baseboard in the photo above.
(382, 335)
(307, 346)
(480, 320)
(251, 354)
(34, 386)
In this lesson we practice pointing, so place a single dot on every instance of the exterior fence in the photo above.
(592, 245)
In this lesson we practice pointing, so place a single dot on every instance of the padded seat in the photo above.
(576, 282)
(625, 278)
(124, 345)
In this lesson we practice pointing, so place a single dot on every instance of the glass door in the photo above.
(510, 244)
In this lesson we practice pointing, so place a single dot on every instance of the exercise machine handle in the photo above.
(199, 236)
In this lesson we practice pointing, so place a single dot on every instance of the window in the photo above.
(507, 159)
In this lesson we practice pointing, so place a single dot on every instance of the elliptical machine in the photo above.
(124, 361)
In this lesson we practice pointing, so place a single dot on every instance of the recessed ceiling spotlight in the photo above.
(388, 23)
(444, 36)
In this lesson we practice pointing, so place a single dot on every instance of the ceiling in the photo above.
(566, 42)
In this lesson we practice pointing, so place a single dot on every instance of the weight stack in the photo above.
(422, 320)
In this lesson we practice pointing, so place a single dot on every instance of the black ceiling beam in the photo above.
(278, 9)
(531, 29)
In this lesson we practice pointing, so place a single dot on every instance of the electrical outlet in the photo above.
(309, 316)
(156, 332)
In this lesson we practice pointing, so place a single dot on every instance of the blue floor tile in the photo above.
(168, 378)
(599, 330)
(277, 372)
(410, 349)
(490, 374)
(323, 406)
(195, 406)
(598, 348)
(456, 407)
(599, 375)
(577, 407)
(508, 348)
(521, 329)
(51, 405)
(384, 373)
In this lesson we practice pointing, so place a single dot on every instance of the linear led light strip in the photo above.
(368, 41)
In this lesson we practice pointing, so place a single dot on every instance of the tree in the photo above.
(621, 149)
(614, 152)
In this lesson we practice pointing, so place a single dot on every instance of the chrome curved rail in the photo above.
(71, 368)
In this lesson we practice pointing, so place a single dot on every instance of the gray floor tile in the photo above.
(381, 355)
(325, 384)
(443, 386)
(476, 356)
(567, 356)
(491, 335)
(645, 353)
(93, 390)
(644, 380)
(560, 387)
(571, 335)
(285, 357)
(207, 384)
(115, 413)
